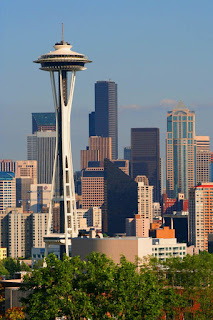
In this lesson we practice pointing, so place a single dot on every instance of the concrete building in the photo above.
(91, 218)
(179, 221)
(41, 147)
(92, 187)
(145, 156)
(165, 248)
(39, 196)
(145, 201)
(162, 233)
(106, 113)
(7, 165)
(180, 151)
(137, 226)
(203, 159)
(143, 179)
(130, 247)
(19, 233)
(156, 210)
(7, 190)
(99, 149)
(39, 226)
(26, 174)
(201, 215)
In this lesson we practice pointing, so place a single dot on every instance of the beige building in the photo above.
(19, 233)
(7, 165)
(26, 174)
(143, 179)
(99, 149)
(200, 215)
(89, 218)
(39, 225)
(39, 196)
(203, 159)
(137, 226)
(145, 201)
(7, 191)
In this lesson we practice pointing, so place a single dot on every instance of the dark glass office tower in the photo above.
(145, 156)
(92, 124)
(120, 198)
(106, 113)
(43, 121)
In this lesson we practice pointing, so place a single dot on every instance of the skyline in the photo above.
(157, 53)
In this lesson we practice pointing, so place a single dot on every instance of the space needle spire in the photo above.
(62, 62)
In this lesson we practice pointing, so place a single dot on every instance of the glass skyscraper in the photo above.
(106, 113)
(180, 151)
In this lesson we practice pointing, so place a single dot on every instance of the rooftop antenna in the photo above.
(62, 33)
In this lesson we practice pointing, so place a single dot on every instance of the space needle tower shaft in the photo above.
(63, 61)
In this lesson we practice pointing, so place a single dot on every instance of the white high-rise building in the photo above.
(7, 190)
(40, 221)
(145, 200)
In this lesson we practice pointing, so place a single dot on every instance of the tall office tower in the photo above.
(203, 159)
(120, 199)
(180, 151)
(19, 233)
(145, 200)
(145, 156)
(211, 167)
(4, 230)
(39, 227)
(106, 113)
(92, 187)
(41, 147)
(92, 124)
(127, 156)
(127, 153)
(161, 177)
(7, 165)
(7, 190)
(39, 197)
(200, 215)
(99, 149)
(43, 121)
(26, 174)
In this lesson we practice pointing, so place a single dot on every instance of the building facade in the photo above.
(92, 124)
(7, 190)
(180, 151)
(145, 156)
(7, 165)
(106, 113)
(200, 215)
(43, 121)
(145, 201)
(203, 159)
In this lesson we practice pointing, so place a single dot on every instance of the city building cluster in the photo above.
(123, 199)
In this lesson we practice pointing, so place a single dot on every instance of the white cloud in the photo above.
(168, 103)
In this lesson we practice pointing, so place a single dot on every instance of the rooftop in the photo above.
(7, 175)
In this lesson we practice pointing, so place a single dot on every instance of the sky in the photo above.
(158, 52)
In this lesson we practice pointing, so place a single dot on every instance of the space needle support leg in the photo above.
(70, 221)
(49, 225)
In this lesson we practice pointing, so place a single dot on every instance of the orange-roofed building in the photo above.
(162, 233)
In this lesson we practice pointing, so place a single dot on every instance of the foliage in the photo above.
(97, 288)
(9, 266)
(14, 314)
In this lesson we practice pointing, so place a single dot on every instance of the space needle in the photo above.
(63, 61)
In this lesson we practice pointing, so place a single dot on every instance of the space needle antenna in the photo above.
(62, 32)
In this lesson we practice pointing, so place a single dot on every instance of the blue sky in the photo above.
(158, 52)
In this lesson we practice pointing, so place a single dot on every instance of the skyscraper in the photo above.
(7, 190)
(203, 159)
(92, 124)
(200, 215)
(7, 165)
(106, 109)
(180, 151)
(145, 156)
(120, 198)
(41, 147)
(43, 121)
